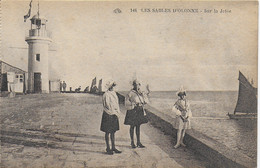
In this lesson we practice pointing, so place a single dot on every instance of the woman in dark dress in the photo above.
(135, 115)
(110, 123)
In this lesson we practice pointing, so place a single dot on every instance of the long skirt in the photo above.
(109, 123)
(179, 124)
(135, 117)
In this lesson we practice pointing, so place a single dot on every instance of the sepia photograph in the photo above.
(128, 84)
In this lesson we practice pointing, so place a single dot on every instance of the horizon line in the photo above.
(187, 91)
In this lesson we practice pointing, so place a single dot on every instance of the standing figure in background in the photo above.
(181, 108)
(111, 112)
(60, 86)
(64, 85)
(135, 115)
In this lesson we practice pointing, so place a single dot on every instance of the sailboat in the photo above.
(100, 86)
(247, 100)
(93, 88)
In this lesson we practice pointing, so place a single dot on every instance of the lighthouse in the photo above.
(38, 61)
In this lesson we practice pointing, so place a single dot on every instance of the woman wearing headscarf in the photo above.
(135, 115)
(183, 114)
(110, 123)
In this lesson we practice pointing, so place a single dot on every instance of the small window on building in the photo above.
(21, 78)
(17, 76)
(38, 57)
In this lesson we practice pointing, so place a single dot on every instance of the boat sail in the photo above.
(247, 100)
(93, 88)
(100, 86)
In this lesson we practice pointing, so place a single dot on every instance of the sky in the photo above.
(199, 51)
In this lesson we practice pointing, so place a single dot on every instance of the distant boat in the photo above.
(86, 89)
(247, 100)
(100, 86)
(93, 88)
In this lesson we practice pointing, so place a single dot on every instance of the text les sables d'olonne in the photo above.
(178, 10)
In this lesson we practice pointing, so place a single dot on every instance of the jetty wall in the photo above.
(218, 154)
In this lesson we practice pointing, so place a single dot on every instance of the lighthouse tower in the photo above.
(38, 61)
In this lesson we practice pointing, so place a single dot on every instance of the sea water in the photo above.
(209, 110)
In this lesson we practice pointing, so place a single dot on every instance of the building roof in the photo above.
(11, 66)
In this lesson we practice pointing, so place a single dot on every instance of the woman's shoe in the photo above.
(176, 146)
(110, 152)
(116, 151)
(133, 145)
(139, 145)
(182, 144)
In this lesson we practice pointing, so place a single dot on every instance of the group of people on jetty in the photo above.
(136, 116)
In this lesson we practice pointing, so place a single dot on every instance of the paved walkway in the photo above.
(62, 130)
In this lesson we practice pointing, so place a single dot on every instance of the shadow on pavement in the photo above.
(48, 140)
(75, 134)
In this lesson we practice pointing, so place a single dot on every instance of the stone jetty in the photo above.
(62, 130)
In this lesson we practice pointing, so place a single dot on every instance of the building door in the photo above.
(4, 82)
(19, 82)
(37, 83)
